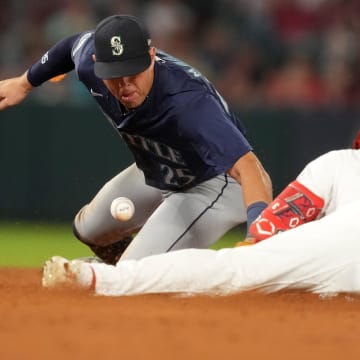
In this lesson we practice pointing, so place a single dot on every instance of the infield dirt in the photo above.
(36, 323)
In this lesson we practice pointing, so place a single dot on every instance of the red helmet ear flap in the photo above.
(356, 143)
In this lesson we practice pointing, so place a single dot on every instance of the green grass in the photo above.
(31, 244)
(26, 244)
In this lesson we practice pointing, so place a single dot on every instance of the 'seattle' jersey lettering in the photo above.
(182, 134)
(154, 147)
(175, 173)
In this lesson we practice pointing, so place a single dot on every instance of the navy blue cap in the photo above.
(122, 46)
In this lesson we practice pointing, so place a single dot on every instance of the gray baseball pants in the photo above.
(163, 220)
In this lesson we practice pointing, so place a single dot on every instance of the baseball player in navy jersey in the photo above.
(195, 175)
(315, 246)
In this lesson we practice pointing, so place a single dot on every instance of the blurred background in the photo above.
(289, 68)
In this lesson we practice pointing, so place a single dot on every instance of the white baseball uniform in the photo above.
(322, 256)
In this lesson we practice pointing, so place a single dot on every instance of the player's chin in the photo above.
(132, 102)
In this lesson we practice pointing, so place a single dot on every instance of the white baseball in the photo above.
(122, 209)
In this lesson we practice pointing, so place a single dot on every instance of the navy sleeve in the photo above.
(55, 61)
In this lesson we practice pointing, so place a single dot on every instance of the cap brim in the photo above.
(116, 69)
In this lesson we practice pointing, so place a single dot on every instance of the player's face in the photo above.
(132, 90)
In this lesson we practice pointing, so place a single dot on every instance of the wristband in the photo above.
(253, 211)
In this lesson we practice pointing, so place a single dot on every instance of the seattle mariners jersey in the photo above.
(182, 134)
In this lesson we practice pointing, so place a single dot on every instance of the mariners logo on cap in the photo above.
(121, 47)
(116, 45)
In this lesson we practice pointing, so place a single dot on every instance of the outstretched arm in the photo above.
(14, 90)
(256, 185)
(56, 61)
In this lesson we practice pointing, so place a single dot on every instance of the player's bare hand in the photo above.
(247, 241)
(13, 91)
